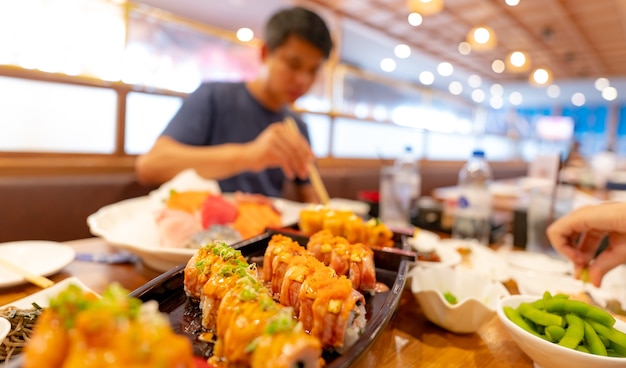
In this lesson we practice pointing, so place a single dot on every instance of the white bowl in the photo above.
(477, 297)
(549, 355)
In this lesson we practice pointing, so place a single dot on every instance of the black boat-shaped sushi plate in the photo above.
(391, 270)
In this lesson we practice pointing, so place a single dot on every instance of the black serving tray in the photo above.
(391, 269)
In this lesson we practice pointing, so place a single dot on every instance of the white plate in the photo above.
(40, 257)
(130, 225)
(482, 259)
(539, 262)
(426, 241)
(536, 283)
(357, 207)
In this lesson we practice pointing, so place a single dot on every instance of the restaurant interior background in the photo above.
(86, 85)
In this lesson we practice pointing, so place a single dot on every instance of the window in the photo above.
(56, 117)
(146, 117)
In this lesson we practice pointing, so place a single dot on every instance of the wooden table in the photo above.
(408, 341)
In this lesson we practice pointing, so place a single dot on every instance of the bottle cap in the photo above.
(478, 153)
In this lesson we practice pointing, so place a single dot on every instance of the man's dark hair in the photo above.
(300, 22)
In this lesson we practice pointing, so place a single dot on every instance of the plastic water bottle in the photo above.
(400, 190)
(473, 211)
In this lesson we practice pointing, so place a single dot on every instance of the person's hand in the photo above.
(278, 146)
(578, 235)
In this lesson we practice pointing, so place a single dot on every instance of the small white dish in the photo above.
(476, 296)
(40, 257)
(5, 328)
(426, 241)
(547, 354)
(42, 297)
(539, 262)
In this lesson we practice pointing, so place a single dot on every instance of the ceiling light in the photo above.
(245, 34)
(478, 95)
(609, 93)
(516, 98)
(388, 65)
(456, 88)
(553, 91)
(497, 66)
(541, 77)
(425, 7)
(474, 81)
(482, 38)
(415, 19)
(511, 2)
(601, 84)
(496, 102)
(518, 58)
(402, 51)
(517, 61)
(578, 99)
(496, 89)
(445, 69)
(464, 48)
(427, 78)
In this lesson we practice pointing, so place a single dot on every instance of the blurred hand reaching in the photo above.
(578, 236)
(278, 146)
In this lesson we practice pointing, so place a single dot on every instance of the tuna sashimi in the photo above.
(217, 210)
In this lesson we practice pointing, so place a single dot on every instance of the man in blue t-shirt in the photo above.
(233, 132)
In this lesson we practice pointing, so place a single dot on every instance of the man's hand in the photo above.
(278, 146)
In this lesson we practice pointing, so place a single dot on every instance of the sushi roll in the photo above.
(216, 287)
(356, 261)
(253, 330)
(331, 310)
(298, 270)
(278, 254)
(206, 261)
(326, 304)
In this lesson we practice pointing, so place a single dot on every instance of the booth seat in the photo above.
(56, 207)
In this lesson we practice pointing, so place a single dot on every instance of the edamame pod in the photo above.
(516, 318)
(617, 349)
(554, 333)
(610, 333)
(582, 348)
(539, 316)
(574, 332)
(594, 343)
(582, 309)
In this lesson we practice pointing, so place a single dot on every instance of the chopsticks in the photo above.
(314, 175)
(40, 281)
